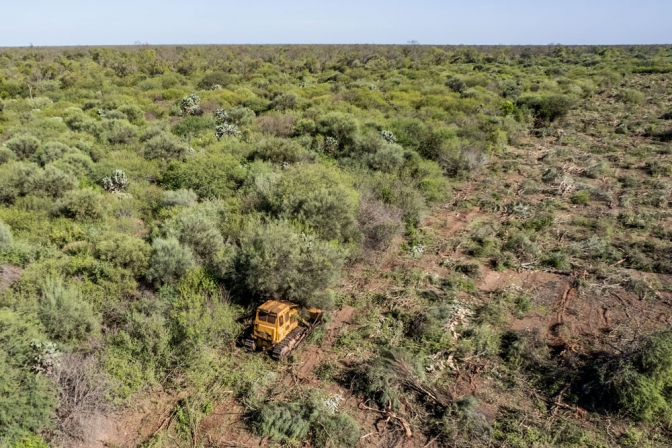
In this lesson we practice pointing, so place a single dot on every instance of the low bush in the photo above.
(295, 421)
(165, 147)
(28, 399)
(170, 261)
(82, 205)
(276, 261)
(6, 240)
(64, 313)
(279, 150)
(549, 108)
(642, 378)
(340, 126)
(24, 146)
(124, 251)
(119, 132)
(180, 198)
(197, 230)
(51, 152)
(631, 96)
(208, 175)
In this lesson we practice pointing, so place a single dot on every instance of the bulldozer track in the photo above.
(287, 345)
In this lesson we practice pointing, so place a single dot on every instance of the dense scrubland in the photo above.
(152, 197)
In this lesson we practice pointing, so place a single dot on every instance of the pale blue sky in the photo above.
(119, 22)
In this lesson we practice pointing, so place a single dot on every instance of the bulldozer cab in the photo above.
(273, 322)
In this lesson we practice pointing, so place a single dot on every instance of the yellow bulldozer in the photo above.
(279, 328)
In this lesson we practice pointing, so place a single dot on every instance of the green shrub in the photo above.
(283, 421)
(381, 380)
(6, 240)
(222, 79)
(275, 261)
(319, 197)
(208, 175)
(124, 251)
(24, 146)
(64, 313)
(28, 400)
(387, 159)
(279, 150)
(51, 182)
(6, 155)
(170, 261)
(198, 230)
(132, 113)
(165, 146)
(549, 107)
(456, 84)
(82, 205)
(240, 115)
(119, 132)
(286, 101)
(82, 123)
(192, 125)
(631, 96)
(580, 197)
(294, 421)
(180, 198)
(643, 379)
(51, 152)
(558, 260)
(201, 314)
(342, 127)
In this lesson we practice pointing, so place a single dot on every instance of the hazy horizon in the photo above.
(258, 22)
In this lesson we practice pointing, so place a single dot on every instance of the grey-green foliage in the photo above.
(50, 182)
(65, 314)
(340, 126)
(165, 146)
(387, 159)
(197, 229)
(133, 113)
(20, 179)
(285, 101)
(125, 251)
(24, 146)
(51, 152)
(155, 129)
(180, 198)
(240, 115)
(6, 155)
(295, 421)
(327, 211)
(82, 205)
(277, 261)
(82, 123)
(28, 400)
(74, 163)
(279, 150)
(284, 421)
(119, 132)
(170, 261)
(6, 240)
(382, 380)
(319, 197)
(643, 379)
